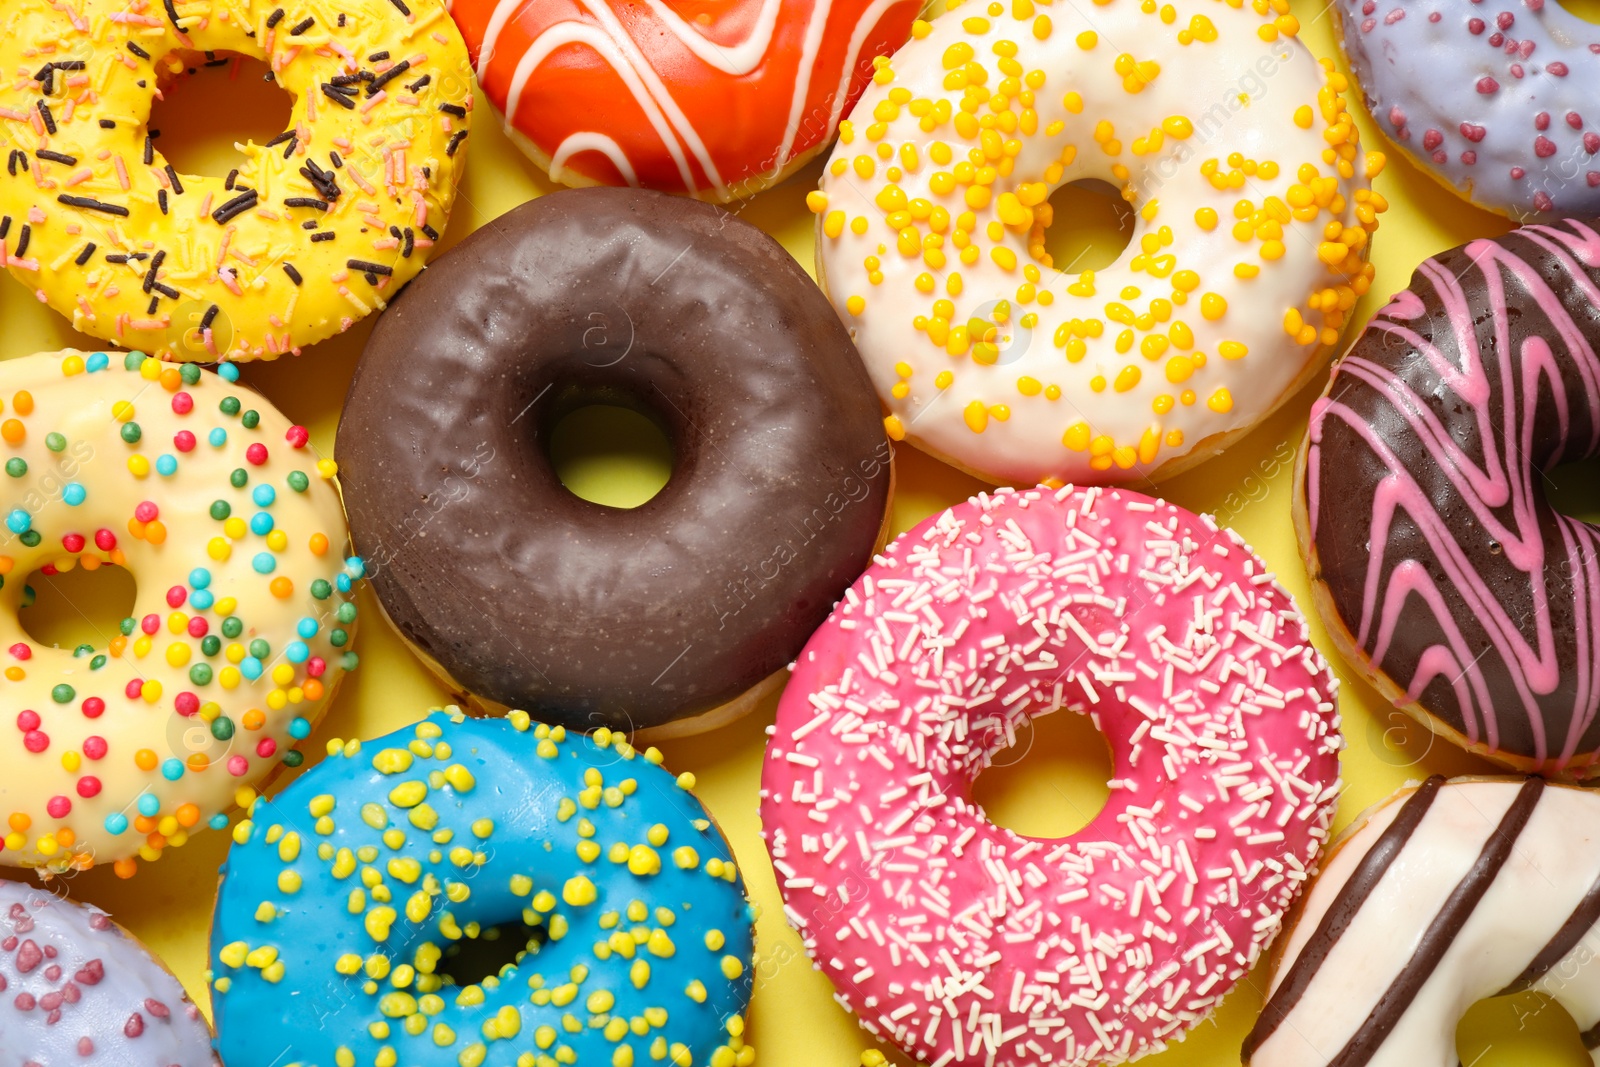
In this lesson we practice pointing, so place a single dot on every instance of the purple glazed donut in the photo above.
(1495, 98)
(76, 989)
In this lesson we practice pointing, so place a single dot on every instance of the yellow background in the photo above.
(1055, 781)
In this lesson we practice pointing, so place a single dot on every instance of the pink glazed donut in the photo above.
(963, 942)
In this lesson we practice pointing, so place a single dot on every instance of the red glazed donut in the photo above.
(712, 98)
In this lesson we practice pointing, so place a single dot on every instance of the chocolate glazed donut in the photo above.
(527, 596)
(1439, 565)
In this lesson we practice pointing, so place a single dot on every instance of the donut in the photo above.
(1443, 572)
(77, 988)
(1512, 127)
(713, 98)
(963, 942)
(637, 933)
(1443, 894)
(1251, 204)
(311, 233)
(240, 630)
(673, 616)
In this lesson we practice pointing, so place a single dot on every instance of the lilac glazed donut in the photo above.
(1495, 99)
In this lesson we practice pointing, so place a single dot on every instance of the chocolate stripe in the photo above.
(1441, 933)
(1580, 922)
(1352, 895)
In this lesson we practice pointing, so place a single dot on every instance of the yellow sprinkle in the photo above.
(578, 891)
(408, 794)
(392, 761)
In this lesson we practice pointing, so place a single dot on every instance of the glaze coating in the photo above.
(525, 594)
(1441, 567)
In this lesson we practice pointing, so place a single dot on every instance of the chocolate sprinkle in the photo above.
(172, 176)
(57, 157)
(419, 83)
(454, 109)
(237, 206)
(294, 275)
(161, 200)
(22, 241)
(49, 119)
(455, 142)
(388, 76)
(136, 50)
(155, 265)
(302, 27)
(325, 235)
(368, 268)
(108, 124)
(83, 257)
(332, 93)
(89, 203)
(306, 201)
(275, 18)
(209, 317)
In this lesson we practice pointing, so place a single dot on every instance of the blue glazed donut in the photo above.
(344, 899)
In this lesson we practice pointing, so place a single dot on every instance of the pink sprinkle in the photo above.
(1517, 174)
(1487, 85)
(186, 704)
(256, 454)
(1544, 147)
(1505, 20)
(1432, 139)
(94, 747)
(1542, 201)
(1556, 69)
(1475, 134)
(176, 596)
(182, 403)
(58, 807)
(1541, 121)
(1476, 26)
(198, 627)
(266, 747)
(1591, 143)
(93, 708)
(133, 689)
(183, 441)
(88, 786)
(146, 511)
(135, 1024)
(21, 650)
(1517, 71)
(1594, 179)
(1397, 117)
(297, 436)
(237, 766)
(27, 720)
(104, 539)
(35, 741)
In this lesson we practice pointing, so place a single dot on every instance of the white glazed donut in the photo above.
(1253, 219)
(240, 629)
(1442, 895)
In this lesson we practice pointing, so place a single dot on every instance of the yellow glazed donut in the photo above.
(312, 232)
(1253, 215)
(240, 630)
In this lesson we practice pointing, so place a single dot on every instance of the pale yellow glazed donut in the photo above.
(1254, 216)
(240, 632)
(317, 228)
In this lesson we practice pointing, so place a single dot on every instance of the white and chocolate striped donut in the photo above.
(1441, 895)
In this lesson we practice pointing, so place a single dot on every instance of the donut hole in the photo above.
(472, 959)
(611, 455)
(1574, 489)
(77, 608)
(208, 106)
(1052, 782)
(1090, 226)
(1587, 10)
(1514, 1031)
